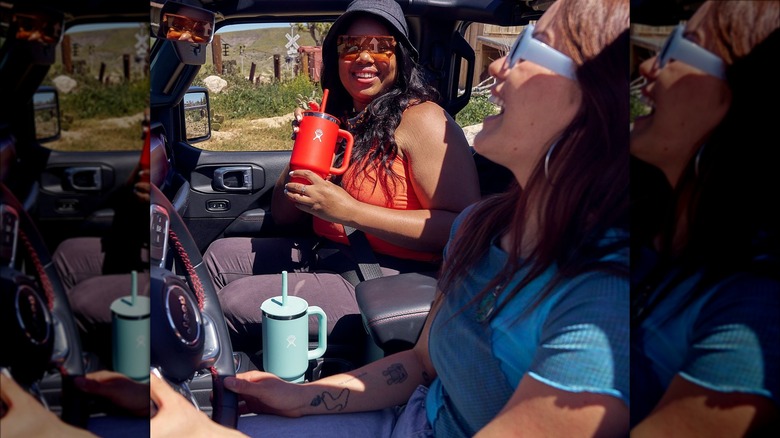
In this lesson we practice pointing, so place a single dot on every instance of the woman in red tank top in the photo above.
(410, 174)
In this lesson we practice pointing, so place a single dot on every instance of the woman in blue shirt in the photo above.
(530, 331)
(705, 333)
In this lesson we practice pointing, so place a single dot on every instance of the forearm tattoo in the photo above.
(396, 373)
(331, 403)
(344, 382)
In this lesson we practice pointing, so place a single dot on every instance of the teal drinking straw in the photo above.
(134, 287)
(284, 288)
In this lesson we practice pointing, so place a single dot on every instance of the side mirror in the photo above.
(197, 115)
(46, 106)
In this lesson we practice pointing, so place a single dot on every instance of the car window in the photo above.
(260, 73)
(490, 42)
(256, 78)
(101, 75)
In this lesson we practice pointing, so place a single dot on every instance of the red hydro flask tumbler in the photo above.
(315, 144)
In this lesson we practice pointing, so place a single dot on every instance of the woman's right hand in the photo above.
(298, 113)
(26, 417)
(264, 393)
(296, 121)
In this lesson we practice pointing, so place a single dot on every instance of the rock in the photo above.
(64, 84)
(215, 84)
(274, 122)
(471, 132)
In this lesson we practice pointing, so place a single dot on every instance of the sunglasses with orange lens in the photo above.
(381, 48)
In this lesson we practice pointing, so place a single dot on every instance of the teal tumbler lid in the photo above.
(126, 308)
(277, 309)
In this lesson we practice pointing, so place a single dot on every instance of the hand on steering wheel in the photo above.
(26, 417)
(44, 306)
(189, 328)
(176, 417)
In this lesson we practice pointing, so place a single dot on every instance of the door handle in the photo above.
(85, 178)
(233, 179)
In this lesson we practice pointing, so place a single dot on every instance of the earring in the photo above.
(697, 160)
(547, 160)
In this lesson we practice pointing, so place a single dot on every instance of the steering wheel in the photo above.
(189, 332)
(36, 317)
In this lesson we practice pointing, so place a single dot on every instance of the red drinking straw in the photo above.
(324, 100)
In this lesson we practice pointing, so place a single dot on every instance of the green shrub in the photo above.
(637, 108)
(91, 99)
(475, 111)
(242, 99)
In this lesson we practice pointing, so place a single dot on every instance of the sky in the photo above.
(101, 26)
(232, 28)
(240, 27)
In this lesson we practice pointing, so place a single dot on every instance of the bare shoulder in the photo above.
(423, 116)
(424, 124)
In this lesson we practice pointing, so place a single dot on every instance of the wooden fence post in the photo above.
(67, 55)
(252, 73)
(216, 53)
(305, 64)
(126, 66)
(277, 68)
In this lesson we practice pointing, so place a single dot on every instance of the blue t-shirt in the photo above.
(576, 340)
(727, 340)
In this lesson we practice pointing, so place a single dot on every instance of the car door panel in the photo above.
(230, 192)
(76, 189)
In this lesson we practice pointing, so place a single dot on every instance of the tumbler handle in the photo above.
(322, 332)
(347, 153)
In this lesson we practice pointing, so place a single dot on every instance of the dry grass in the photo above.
(124, 134)
(111, 134)
(269, 134)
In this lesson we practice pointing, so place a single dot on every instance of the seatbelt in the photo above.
(368, 267)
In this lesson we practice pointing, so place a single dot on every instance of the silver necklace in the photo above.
(488, 303)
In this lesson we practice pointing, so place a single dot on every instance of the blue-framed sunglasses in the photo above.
(679, 48)
(530, 49)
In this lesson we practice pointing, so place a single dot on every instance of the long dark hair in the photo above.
(586, 193)
(375, 133)
(729, 192)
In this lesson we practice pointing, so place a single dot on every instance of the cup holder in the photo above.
(324, 367)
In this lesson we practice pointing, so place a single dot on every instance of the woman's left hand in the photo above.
(177, 417)
(26, 417)
(321, 198)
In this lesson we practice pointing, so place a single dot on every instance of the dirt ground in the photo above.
(124, 133)
(113, 134)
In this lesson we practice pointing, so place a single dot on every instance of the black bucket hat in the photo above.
(388, 11)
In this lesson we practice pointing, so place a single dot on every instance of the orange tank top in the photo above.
(365, 188)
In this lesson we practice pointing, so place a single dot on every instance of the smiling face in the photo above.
(367, 77)
(536, 106)
(687, 105)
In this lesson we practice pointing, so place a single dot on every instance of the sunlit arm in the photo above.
(539, 410)
(385, 383)
(691, 410)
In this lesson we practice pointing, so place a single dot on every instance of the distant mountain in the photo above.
(260, 45)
